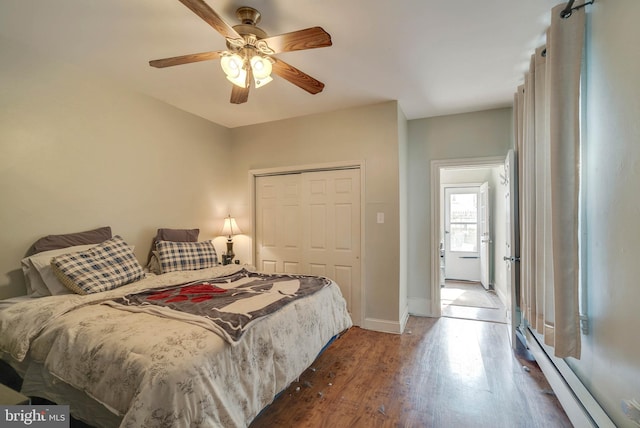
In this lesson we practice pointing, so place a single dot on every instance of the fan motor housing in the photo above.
(249, 18)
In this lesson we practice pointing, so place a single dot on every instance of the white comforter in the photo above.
(158, 372)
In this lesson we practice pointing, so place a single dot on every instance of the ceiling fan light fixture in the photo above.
(261, 68)
(261, 82)
(249, 51)
(233, 67)
(240, 81)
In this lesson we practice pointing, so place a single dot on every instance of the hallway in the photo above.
(470, 300)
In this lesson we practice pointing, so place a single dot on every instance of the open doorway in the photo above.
(471, 233)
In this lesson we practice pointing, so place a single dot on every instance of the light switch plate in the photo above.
(380, 218)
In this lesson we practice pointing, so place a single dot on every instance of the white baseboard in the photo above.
(578, 403)
(387, 326)
(420, 307)
(383, 326)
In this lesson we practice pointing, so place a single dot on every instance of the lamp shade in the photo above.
(230, 227)
(233, 67)
(261, 68)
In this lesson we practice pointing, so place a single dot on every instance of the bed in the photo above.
(128, 357)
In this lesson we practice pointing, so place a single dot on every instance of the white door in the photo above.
(309, 223)
(512, 250)
(461, 233)
(331, 228)
(484, 223)
(278, 223)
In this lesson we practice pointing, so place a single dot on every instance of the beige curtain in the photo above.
(548, 146)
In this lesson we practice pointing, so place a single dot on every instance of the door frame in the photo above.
(357, 313)
(436, 166)
(486, 234)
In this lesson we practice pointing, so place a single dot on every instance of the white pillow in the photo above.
(38, 275)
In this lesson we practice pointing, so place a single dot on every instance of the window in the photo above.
(463, 222)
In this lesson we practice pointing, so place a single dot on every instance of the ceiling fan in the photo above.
(249, 55)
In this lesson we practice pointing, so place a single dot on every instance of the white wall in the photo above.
(369, 134)
(610, 361)
(78, 152)
(470, 135)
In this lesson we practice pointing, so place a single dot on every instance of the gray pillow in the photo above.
(173, 235)
(55, 242)
(178, 235)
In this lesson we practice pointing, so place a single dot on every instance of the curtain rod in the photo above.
(567, 11)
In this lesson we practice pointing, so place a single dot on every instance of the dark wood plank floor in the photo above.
(443, 372)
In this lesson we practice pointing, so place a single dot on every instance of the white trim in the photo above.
(436, 166)
(384, 326)
(358, 319)
(306, 168)
(579, 405)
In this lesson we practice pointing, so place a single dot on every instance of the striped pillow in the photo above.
(175, 256)
(106, 266)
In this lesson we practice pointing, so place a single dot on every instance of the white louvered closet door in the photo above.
(309, 223)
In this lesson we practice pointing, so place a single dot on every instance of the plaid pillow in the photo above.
(106, 266)
(186, 255)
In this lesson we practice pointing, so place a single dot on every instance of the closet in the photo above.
(310, 223)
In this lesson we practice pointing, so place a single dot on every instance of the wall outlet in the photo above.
(380, 218)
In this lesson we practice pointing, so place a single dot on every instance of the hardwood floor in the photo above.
(443, 372)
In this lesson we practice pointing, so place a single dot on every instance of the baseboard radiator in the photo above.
(582, 409)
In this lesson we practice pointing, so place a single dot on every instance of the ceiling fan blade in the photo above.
(204, 11)
(310, 38)
(297, 77)
(184, 59)
(239, 95)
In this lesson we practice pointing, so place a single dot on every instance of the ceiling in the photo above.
(435, 57)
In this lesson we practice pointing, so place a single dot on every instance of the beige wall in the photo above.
(610, 361)
(369, 134)
(470, 135)
(77, 152)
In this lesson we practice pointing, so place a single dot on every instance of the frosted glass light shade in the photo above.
(262, 82)
(233, 67)
(261, 68)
